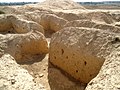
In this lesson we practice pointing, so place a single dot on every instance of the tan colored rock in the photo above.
(109, 75)
(35, 15)
(95, 16)
(24, 26)
(72, 15)
(116, 15)
(91, 24)
(5, 24)
(36, 27)
(107, 27)
(13, 77)
(24, 46)
(80, 51)
(14, 24)
(52, 22)
(101, 17)
(80, 23)
(10, 10)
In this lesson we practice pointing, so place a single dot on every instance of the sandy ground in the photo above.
(39, 70)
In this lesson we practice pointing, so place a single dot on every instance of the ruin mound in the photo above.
(61, 4)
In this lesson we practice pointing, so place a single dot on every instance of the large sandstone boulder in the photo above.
(109, 75)
(14, 24)
(13, 77)
(24, 26)
(80, 51)
(35, 15)
(52, 22)
(5, 24)
(22, 46)
(91, 24)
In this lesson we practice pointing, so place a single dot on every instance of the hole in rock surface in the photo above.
(62, 51)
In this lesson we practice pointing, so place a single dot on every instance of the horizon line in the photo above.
(80, 1)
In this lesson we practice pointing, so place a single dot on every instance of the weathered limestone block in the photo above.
(5, 24)
(52, 22)
(80, 51)
(22, 45)
(24, 26)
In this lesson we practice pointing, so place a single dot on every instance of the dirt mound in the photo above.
(61, 4)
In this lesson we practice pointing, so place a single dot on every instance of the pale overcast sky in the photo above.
(44, 0)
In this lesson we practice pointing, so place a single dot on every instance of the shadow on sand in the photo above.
(60, 80)
(32, 59)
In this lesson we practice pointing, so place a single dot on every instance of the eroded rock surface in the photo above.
(109, 75)
(91, 24)
(24, 26)
(13, 24)
(80, 51)
(5, 24)
(13, 77)
(22, 46)
(52, 22)
(101, 17)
